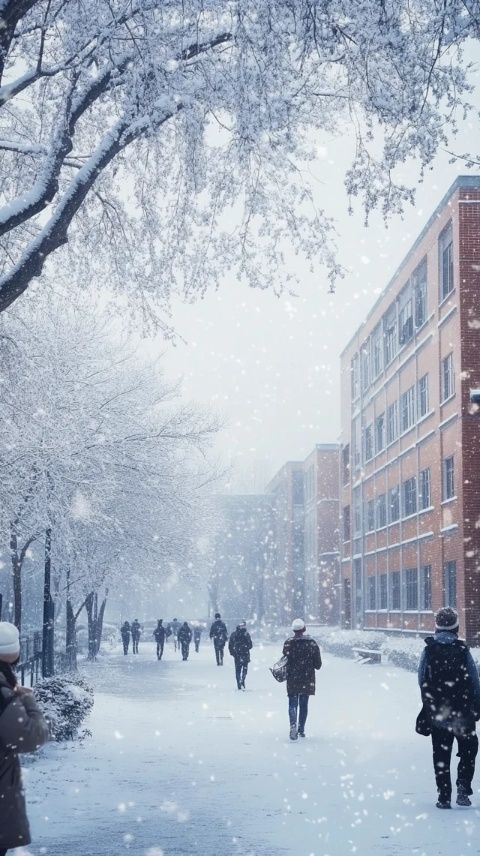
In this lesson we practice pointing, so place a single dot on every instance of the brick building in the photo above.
(303, 574)
(410, 439)
(321, 547)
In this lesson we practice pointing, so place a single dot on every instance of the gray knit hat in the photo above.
(9, 639)
(446, 619)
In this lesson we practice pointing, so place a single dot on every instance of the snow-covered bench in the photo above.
(368, 655)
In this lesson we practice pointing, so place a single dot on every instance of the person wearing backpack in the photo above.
(219, 635)
(125, 634)
(450, 688)
(303, 659)
(22, 729)
(160, 634)
(240, 645)
(184, 638)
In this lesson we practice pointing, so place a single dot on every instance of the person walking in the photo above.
(303, 659)
(125, 633)
(450, 689)
(174, 627)
(219, 635)
(197, 635)
(22, 729)
(160, 634)
(136, 633)
(240, 645)
(184, 639)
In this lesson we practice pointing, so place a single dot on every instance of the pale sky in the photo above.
(271, 365)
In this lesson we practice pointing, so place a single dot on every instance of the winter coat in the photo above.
(136, 630)
(125, 630)
(197, 633)
(449, 683)
(22, 729)
(240, 644)
(184, 634)
(160, 633)
(218, 632)
(174, 628)
(303, 657)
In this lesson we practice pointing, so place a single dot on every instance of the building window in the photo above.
(370, 515)
(381, 511)
(395, 590)
(390, 333)
(407, 409)
(426, 587)
(422, 396)
(355, 370)
(448, 478)
(405, 316)
(368, 440)
(448, 380)
(383, 592)
(346, 464)
(394, 504)
(357, 512)
(450, 584)
(380, 432)
(392, 422)
(411, 588)
(372, 593)
(356, 444)
(409, 496)
(376, 349)
(365, 363)
(346, 523)
(445, 252)
(424, 489)
(419, 280)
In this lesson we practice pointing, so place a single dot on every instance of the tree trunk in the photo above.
(99, 629)
(16, 578)
(48, 666)
(71, 638)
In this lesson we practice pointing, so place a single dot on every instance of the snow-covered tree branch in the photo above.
(188, 121)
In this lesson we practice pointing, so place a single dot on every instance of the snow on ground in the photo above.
(180, 762)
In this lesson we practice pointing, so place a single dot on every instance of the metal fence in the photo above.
(30, 663)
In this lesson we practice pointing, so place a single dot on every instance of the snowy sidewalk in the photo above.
(180, 763)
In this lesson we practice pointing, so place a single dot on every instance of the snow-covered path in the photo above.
(180, 762)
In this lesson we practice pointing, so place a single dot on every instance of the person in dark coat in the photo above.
(184, 638)
(136, 632)
(125, 633)
(197, 635)
(219, 634)
(450, 687)
(303, 658)
(240, 645)
(160, 634)
(22, 729)
(174, 627)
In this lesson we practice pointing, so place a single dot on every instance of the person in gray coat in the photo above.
(22, 729)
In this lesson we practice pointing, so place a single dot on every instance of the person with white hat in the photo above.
(303, 659)
(450, 687)
(22, 729)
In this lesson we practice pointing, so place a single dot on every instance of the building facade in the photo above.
(321, 535)
(286, 575)
(410, 439)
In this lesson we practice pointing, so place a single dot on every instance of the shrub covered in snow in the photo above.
(404, 652)
(65, 701)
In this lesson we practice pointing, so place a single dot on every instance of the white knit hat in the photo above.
(298, 624)
(9, 639)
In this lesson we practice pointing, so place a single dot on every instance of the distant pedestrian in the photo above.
(22, 729)
(136, 633)
(450, 690)
(197, 635)
(219, 635)
(125, 633)
(239, 646)
(184, 639)
(303, 658)
(174, 627)
(160, 634)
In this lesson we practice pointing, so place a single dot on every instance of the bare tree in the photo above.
(163, 139)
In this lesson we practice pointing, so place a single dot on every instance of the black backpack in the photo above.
(447, 691)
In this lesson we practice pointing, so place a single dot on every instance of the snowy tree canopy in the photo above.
(163, 141)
